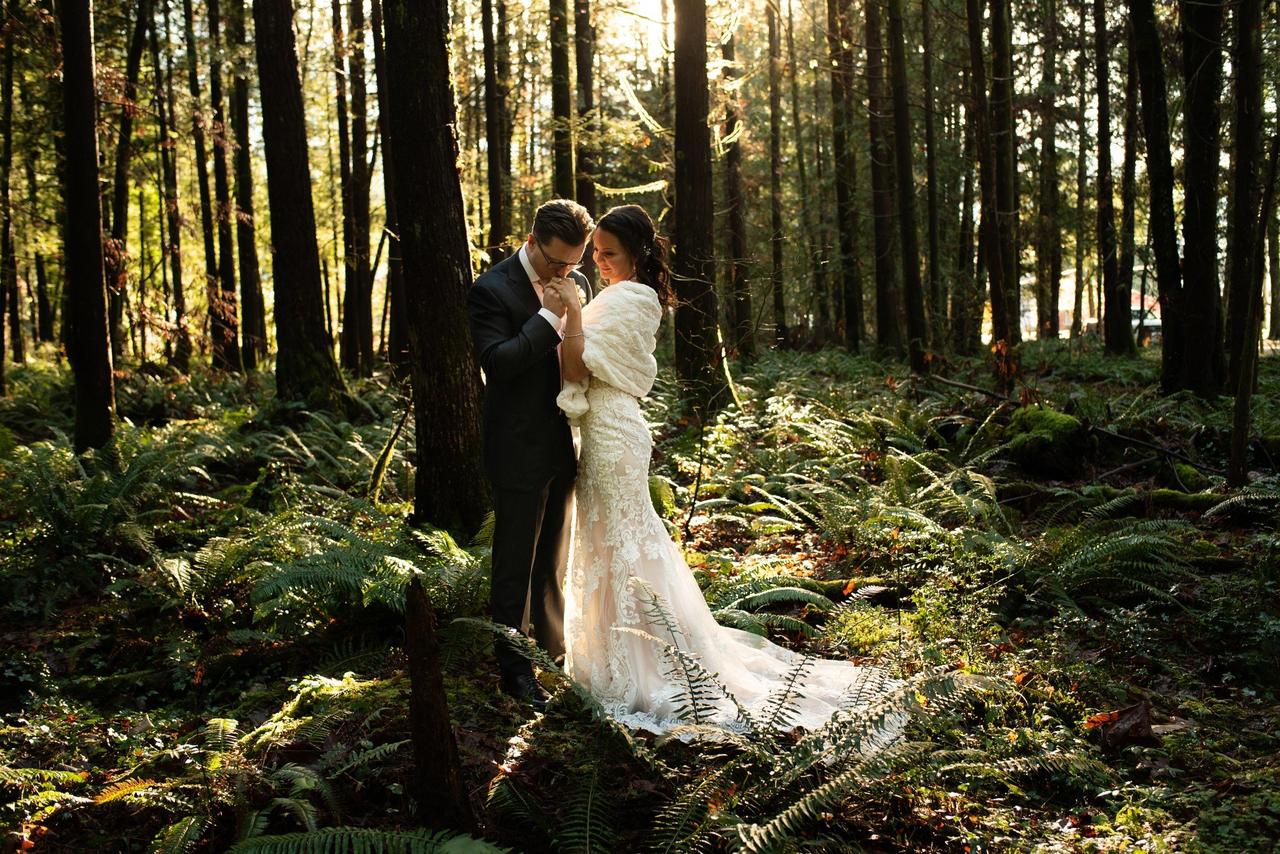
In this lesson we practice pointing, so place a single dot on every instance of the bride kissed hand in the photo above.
(572, 368)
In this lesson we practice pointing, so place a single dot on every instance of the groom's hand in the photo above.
(553, 299)
(567, 289)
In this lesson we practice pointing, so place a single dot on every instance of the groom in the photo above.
(516, 314)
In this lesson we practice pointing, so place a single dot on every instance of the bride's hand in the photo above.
(569, 293)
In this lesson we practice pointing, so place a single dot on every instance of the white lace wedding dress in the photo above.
(622, 558)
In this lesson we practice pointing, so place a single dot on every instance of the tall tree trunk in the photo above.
(88, 344)
(1118, 337)
(202, 166)
(990, 247)
(1048, 229)
(305, 368)
(9, 264)
(165, 102)
(743, 318)
(44, 307)
(817, 295)
(888, 303)
(587, 138)
(116, 255)
(224, 324)
(1155, 126)
(913, 289)
(1245, 235)
(561, 101)
(348, 309)
(1273, 265)
(360, 171)
(1004, 138)
(398, 343)
(450, 486)
(966, 301)
(840, 41)
(496, 143)
(1128, 189)
(781, 333)
(1082, 146)
(937, 297)
(1202, 368)
(253, 332)
(699, 357)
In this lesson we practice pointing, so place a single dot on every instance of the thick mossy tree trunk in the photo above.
(1164, 239)
(699, 356)
(1048, 231)
(781, 332)
(735, 224)
(561, 100)
(398, 334)
(305, 367)
(1117, 333)
(840, 44)
(253, 331)
(87, 338)
(450, 483)
(912, 287)
(1203, 368)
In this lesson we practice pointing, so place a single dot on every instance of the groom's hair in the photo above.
(562, 218)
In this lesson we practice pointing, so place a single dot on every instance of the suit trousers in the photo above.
(529, 559)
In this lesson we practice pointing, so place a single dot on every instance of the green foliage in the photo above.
(359, 840)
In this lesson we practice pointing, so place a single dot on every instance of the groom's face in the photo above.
(555, 257)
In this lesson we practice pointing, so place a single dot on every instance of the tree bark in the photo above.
(202, 167)
(1155, 125)
(305, 368)
(990, 249)
(888, 302)
(1128, 186)
(817, 294)
(840, 41)
(966, 303)
(495, 128)
(362, 312)
(1048, 229)
(913, 290)
(937, 296)
(1202, 369)
(253, 332)
(165, 102)
(699, 356)
(223, 312)
(741, 314)
(88, 343)
(781, 332)
(440, 790)
(1004, 139)
(116, 255)
(1118, 335)
(561, 101)
(1082, 147)
(1273, 264)
(1245, 235)
(398, 343)
(586, 139)
(348, 310)
(450, 483)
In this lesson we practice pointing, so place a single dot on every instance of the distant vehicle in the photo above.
(1152, 330)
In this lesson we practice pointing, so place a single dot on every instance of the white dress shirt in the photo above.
(557, 323)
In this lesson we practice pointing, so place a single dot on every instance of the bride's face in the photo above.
(611, 259)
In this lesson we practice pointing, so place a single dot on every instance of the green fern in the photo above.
(179, 837)
(359, 840)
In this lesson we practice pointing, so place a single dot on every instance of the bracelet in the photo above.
(574, 335)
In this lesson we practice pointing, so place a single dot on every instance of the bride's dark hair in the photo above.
(648, 249)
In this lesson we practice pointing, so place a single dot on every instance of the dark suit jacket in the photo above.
(526, 436)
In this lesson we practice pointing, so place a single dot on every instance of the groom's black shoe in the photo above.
(526, 688)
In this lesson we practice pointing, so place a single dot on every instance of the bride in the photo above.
(629, 595)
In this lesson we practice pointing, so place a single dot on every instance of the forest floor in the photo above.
(200, 631)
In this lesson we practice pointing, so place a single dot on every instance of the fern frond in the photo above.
(360, 840)
(179, 837)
